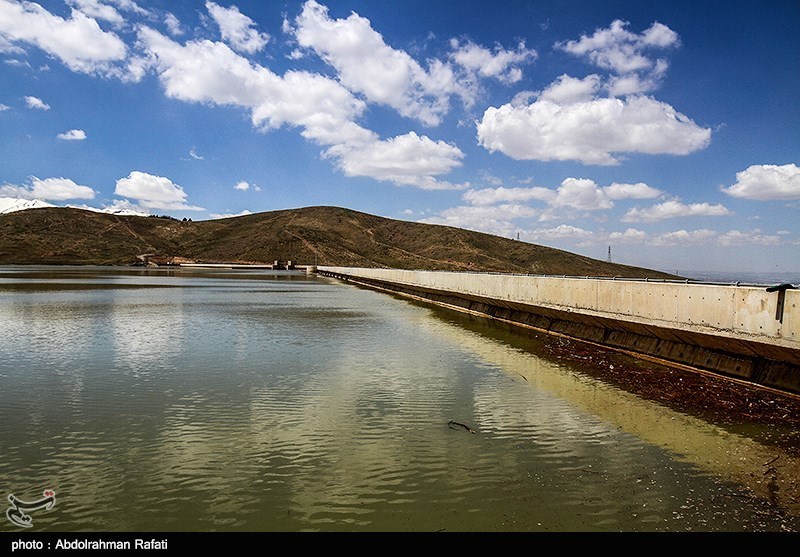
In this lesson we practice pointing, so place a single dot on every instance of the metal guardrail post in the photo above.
(781, 290)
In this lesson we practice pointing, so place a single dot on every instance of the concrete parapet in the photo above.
(745, 332)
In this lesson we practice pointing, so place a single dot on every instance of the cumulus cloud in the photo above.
(97, 10)
(674, 209)
(685, 237)
(591, 132)
(245, 186)
(153, 192)
(568, 90)
(495, 219)
(491, 196)
(72, 135)
(51, 189)
(37, 103)
(130, 6)
(626, 54)
(78, 42)
(499, 63)
(767, 182)
(367, 65)
(210, 72)
(237, 29)
(631, 191)
(575, 193)
(752, 237)
(572, 119)
(628, 236)
(407, 159)
(581, 193)
(560, 232)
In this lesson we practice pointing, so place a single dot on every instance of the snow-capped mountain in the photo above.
(120, 211)
(11, 204)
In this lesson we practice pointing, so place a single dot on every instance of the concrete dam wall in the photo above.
(744, 332)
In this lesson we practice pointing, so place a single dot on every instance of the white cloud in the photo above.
(6, 47)
(581, 193)
(560, 232)
(685, 237)
(97, 10)
(575, 193)
(51, 189)
(674, 209)
(367, 65)
(173, 25)
(631, 191)
(153, 192)
(72, 135)
(407, 159)
(491, 196)
(495, 219)
(634, 83)
(237, 29)
(78, 42)
(209, 72)
(487, 177)
(4, 107)
(568, 90)
(591, 132)
(625, 53)
(193, 154)
(500, 63)
(37, 103)
(767, 182)
(738, 238)
(245, 186)
(323, 108)
(629, 236)
(130, 6)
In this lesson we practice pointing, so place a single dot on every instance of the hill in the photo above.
(325, 235)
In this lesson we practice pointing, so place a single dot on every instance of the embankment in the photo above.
(744, 332)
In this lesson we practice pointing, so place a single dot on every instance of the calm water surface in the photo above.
(155, 400)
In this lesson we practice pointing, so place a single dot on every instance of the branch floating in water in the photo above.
(452, 423)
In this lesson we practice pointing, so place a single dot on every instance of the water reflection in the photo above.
(226, 401)
(719, 452)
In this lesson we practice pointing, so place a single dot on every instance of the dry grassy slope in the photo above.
(61, 236)
(327, 235)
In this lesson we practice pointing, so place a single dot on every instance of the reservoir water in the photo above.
(174, 400)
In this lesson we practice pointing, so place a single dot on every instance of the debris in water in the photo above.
(451, 423)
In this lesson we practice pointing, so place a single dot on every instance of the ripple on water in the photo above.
(245, 404)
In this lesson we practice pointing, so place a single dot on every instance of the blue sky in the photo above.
(669, 131)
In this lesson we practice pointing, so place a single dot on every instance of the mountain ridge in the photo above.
(324, 235)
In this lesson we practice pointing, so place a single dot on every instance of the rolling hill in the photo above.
(325, 235)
